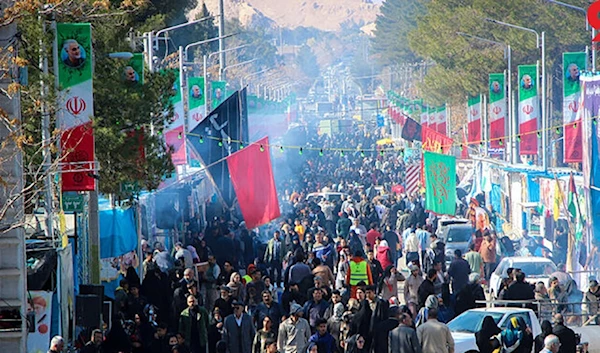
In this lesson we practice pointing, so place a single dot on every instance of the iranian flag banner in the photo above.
(573, 63)
(442, 120)
(440, 183)
(196, 102)
(498, 110)
(424, 116)
(432, 118)
(174, 132)
(75, 105)
(474, 115)
(529, 109)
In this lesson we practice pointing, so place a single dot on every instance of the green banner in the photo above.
(218, 93)
(134, 71)
(527, 82)
(497, 87)
(197, 94)
(75, 44)
(440, 183)
(573, 64)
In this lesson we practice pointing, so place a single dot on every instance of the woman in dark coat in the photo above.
(486, 342)
(539, 339)
(355, 344)
(361, 321)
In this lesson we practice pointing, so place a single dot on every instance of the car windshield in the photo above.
(458, 235)
(536, 269)
(470, 321)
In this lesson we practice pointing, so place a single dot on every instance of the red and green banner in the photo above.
(434, 141)
(440, 183)
(174, 132)
(474, 108)
(497, 110)
(75, 105)
(424, 116)
(573, 63)
(442, 120)
(196, 101)
(529, 109)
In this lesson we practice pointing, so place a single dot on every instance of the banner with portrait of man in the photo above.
(573, 63)
(75, 105)
(133, 72)
(218, 89)
(196, 101)
(497, 110)
(529, 109)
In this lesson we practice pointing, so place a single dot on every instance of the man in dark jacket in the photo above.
(459, 271)
(314, 309)
(95, 343)
(519, 290)
(403, 339)
(427, 287)
(383, 328)
(323, 339)
(568, 343)
(193, 325)
(269, 308)
(238, 336)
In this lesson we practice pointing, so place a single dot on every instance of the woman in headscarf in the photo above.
(335, 322)
(238, 291)
(517, 337)
(262, 335)
(361, 320)
(312, 348)
(388, 286)
(485, 338)
(384, 254)
(430, 303)
(215, 329)
(355, 344)
(539, 339)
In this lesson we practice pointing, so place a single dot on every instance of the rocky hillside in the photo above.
(325, 15)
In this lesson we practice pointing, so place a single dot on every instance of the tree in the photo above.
(307, 61)
(396, 20)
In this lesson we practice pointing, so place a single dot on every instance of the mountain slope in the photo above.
(325, 15)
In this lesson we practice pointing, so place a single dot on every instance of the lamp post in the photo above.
(587, 26)
(512, 124)
(541, 43)
(150, 36)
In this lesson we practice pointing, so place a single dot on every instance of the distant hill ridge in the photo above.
(325, 15)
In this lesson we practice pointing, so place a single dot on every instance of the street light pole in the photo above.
(222, 58)
(541, 43)
(587, 26)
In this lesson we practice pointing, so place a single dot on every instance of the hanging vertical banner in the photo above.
(134, 71)
(432, 118)
(474, 115)
(75, 105)
(498, 110)
(40, 303)
(424, 116)
(440, 183)
(529, 109)
(218, 93)
(196, 102)
(590, 105)
(434, 141)
(442, 120)
(572, 64)
(174, 132)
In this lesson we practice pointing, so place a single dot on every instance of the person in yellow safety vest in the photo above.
(249, 272)
(358, 271)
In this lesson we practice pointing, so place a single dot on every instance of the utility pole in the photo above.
(13, 275)
(222, 58)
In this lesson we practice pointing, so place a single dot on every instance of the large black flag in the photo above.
(213, 139)
(411, 130)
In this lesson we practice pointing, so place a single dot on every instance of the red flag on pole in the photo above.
(252, 178)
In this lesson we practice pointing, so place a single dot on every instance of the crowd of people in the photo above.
(362, 273)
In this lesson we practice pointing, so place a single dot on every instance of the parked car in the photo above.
(464, 326)
(536, 269)
(456, 236)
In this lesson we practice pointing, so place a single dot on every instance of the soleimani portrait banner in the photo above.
(498, 109)
(75, 105)
(196, 102)
(573, 63)
(529, 109)
(440, 183)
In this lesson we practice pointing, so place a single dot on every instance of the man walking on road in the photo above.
(435, 337)
(274, 257)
